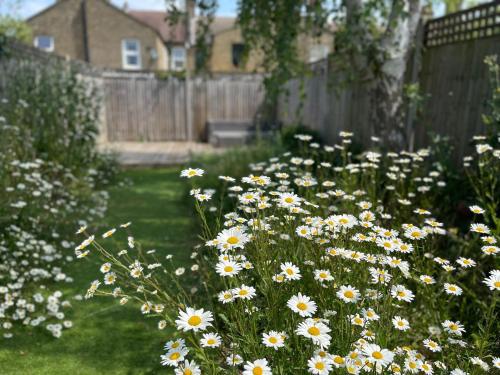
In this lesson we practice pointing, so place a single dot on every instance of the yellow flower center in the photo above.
(338, 360)
(401, 293)
(348, 294)
(242, 292)
(358, 320)
(288, 200)
(233, 240)
(188, 372)
(194, 321)
(497, 284)
(313, 331)
(453, 327)
(319, 365)
(289, 271)
(323, 275)
(273, 340)
(174, 356)
(377, 355)
(412, 365)
(228, 269)
(343, 221)
(175, 344)
(257, 371)
(210, 341)
(302, 306)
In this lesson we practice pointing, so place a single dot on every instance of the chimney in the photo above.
(125, 6)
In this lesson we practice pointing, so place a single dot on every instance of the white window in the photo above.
(131, 54)
(44, 42)
(178, 61)
(318, 52)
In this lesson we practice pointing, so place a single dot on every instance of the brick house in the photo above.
(99, 33)
(106, 36)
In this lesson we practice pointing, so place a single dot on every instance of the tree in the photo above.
(382, 34)
(13, 28)
(374, 39)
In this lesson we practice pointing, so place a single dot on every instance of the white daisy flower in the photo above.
(290, 271)
(400, 324)
(348, 294)
(378, 356)
(188, 368)
(228, 268)
(493, 280)
(192, 172)
(452, 289)
(274, 339)
(195, 320)
(316, 331)
(319, 366)
(174, 356)
(303, 305)
(210, 340)
(257, 367)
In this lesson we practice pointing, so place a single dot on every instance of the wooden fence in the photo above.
(145, 108)
(451, 73)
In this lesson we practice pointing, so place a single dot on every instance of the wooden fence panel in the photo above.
(452, 76)
(142, 108)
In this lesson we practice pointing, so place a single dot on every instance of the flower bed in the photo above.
(327, 263)
(50, 177)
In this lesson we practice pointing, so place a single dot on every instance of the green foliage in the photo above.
(273, 28)
(56, 110)
(13, 28)
(51, 177)
(492, 119)
(289, 136)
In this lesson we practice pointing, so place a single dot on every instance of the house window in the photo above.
(44, 42)
(318, 52)
(131, 54)
(178, 58)
(237, 53)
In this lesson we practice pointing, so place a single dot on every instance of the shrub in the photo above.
(50, 176)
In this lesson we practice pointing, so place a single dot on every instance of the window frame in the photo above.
(237, 53)
(126, 53)
(52, 43)
(174, 60)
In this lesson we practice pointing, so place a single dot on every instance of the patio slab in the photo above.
(155, 153)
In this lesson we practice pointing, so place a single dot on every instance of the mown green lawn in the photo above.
(108, 338)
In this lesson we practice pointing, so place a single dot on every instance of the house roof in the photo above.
(176, 33)
(108, 3)
(158, 21)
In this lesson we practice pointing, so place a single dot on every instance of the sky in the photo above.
(26, 8)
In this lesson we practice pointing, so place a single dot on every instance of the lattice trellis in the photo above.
(475, 23)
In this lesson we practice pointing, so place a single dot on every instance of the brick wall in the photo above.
(64, 23)
(106, 25)
(221, 60)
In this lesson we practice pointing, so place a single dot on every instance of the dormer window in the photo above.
(44, 42)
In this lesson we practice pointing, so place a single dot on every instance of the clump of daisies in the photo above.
(41, 199)
(322, 267)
